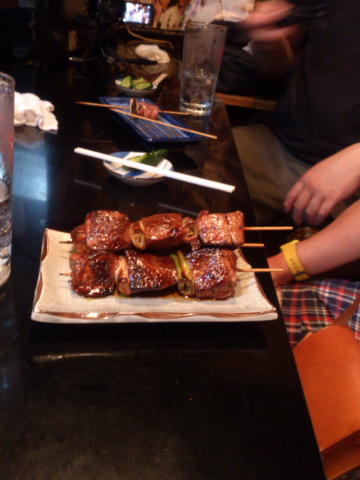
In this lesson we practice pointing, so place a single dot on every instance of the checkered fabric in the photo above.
(312, 305)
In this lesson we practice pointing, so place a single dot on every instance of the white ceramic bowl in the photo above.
(136, 178)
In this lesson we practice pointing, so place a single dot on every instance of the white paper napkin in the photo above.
(152, 52)
(30, 110)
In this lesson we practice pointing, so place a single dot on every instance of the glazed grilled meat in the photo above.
(209, 271)
(112, 231)
(78, 237)
(93, 275)
(221, 229)
(164, 230)
(144, 109)
(213, 273)
(144, 272)
(107, 230)
(98, 274)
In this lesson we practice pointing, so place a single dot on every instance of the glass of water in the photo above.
(7, 88)
(202, 54)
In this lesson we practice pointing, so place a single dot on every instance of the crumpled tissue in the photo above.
(30, 110)
(152, 52)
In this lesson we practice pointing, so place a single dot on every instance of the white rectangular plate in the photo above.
(55, 302)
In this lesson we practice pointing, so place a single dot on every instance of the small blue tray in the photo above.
(150, 131)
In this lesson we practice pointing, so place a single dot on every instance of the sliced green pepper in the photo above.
(151, 158)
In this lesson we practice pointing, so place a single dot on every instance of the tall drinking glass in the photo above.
(7, 88)
(202, 54)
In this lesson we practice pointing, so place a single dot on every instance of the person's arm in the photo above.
(336, 245)
(323, 186)
(271, 44)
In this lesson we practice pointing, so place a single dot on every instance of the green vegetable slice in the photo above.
(126, 82)
(184, 266)
(177, 264)
(143, 86)
(151, 158)
(135, 81)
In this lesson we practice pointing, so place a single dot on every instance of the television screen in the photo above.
(138, 13)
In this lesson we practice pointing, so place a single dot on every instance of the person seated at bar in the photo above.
(332, 257)
(301, 162)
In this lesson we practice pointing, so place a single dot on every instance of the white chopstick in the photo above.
(148, 168)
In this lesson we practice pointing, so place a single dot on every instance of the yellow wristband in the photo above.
(293, 261)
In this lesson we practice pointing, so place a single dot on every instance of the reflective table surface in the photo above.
(204, 401)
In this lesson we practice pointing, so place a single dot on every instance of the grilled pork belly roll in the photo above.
(93, 275)
(144, 272)
(107, 230)
(164, 230)
(208, 273)
(221, 229)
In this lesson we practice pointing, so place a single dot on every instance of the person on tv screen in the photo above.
(160, 7)
(174, 18)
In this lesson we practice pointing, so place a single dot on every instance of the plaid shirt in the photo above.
(310, 306)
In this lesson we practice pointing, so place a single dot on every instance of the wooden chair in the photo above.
(254, 103)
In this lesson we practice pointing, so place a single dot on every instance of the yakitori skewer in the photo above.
(254, 270)
(159, 122)
(203, 274)
(112, 230)
(247, 245)
(170, 112)
(126, 108)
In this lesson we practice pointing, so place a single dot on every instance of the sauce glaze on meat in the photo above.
(213, 272)
(107, 230)
(221, 229)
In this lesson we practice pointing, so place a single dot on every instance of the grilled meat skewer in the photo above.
(208, 273)
(78, 238)
(93, 275)
(112, 231)
(144, 272)
(107, 230)
(221, 229)
(164, 230)
(99, 274)
(144, 109)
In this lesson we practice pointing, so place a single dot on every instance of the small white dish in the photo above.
(136, 178)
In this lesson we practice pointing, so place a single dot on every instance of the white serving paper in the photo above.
(55, 302)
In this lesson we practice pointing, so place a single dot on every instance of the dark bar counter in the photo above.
(145, 401)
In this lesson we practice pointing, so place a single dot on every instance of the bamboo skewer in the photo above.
(268, 228)
(148, 168)
(260, 270)
(159, 122)
(254, 245)
(252, 270)
(170, 112)
(125, 108)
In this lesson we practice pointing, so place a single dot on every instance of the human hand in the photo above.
(263, 25)
(323, 186)
(272, 45)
